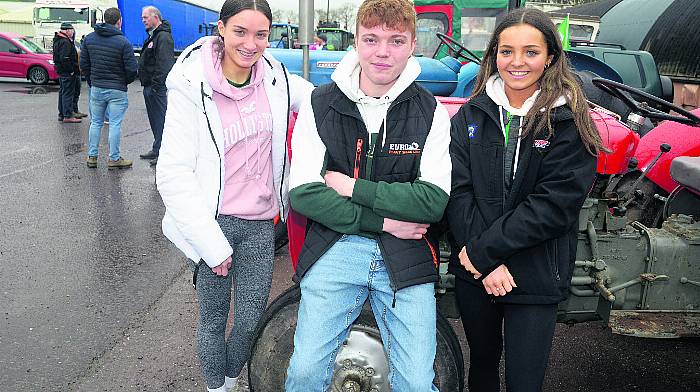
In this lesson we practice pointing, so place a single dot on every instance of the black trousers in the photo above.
(66, 94)
(528, 332)
(156, 106)
(76, 93)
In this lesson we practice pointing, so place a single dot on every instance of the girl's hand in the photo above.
(222, 269)
(499, 282)
(467, 264)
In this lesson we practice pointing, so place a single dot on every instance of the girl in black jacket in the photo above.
(523, 158)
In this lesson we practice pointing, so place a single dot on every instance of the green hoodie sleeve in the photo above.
(424, 200)
(309, 194)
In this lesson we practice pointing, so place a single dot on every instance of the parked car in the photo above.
(22, 58)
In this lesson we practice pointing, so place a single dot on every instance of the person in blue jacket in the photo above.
(108, 63)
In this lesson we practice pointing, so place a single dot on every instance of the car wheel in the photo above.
(360, 365)
(38, 75)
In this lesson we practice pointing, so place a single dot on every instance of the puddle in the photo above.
(31, 90)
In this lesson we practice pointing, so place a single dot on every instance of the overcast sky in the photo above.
(294, 4)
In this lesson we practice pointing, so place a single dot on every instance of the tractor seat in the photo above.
(686, 171)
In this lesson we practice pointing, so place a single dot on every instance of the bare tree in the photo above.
(346, 15)
(285, 16)
(278, 15)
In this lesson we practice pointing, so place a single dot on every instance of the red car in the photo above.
(22, 58)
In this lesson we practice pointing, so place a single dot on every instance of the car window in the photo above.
(5, 45)
(31, 46)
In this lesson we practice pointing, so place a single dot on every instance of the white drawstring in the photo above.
(388, 103)
(517, 149)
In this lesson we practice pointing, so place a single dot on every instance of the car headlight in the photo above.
(50, 62)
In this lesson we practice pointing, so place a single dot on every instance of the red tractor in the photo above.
(637, 264)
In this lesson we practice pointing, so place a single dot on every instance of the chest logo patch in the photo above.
(150, 45)
(404, 149)
(540, 143)
(248, 109)
(471, 130)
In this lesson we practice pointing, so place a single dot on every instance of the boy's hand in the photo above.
(341, 183)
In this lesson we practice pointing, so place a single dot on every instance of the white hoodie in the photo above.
(496, 90)
(306, 141)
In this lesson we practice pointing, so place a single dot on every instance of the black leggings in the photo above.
(528, 332)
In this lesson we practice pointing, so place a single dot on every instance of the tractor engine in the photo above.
(644, 281)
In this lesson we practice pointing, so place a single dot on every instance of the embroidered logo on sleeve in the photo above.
(471, 130)
(540, 143)
(403, 149)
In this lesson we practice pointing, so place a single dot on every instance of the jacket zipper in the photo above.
(286, 133)
(211, 133)
(556, 261)
(216, 215)
(432, 251)
(369, 173)
(392, 285)
(358, 156)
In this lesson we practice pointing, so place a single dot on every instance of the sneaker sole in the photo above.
(92, 166)
(119, 167)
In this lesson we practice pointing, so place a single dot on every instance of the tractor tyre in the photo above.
(360, 361)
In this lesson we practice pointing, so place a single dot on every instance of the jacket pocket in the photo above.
(533, 271)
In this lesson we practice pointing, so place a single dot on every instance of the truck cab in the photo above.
(82, 14)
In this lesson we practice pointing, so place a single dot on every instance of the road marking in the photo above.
(38, 165)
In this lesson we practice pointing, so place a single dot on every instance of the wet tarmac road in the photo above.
(93, 298)
(81, 250)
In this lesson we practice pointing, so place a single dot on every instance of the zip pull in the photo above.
(358, 155)
(393, 302)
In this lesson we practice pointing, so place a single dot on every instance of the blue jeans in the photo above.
(90, 110)
(101, 100)
(332, 294)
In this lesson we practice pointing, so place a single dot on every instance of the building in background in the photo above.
(16, 17)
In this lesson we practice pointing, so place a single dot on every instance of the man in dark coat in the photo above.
(107, 60)
(156, 60)
(65, 57)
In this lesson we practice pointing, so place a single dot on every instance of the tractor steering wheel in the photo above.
(616, 90)
(457, 49)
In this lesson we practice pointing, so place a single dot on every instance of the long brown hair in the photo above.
(557, 80)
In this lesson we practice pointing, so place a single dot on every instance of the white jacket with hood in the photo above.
(190, 171)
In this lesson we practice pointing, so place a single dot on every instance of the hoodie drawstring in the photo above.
(387, 102)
